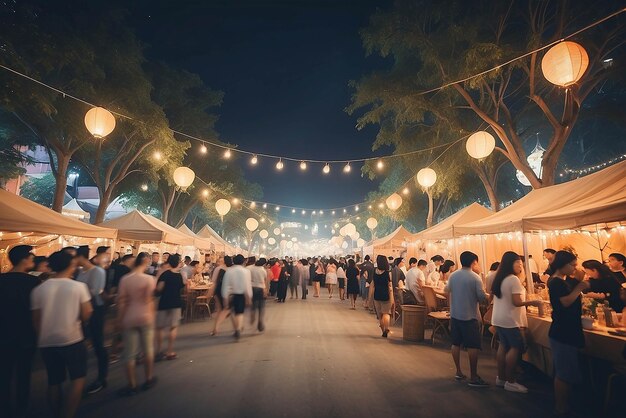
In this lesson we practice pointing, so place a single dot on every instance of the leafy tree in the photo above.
(40, 189)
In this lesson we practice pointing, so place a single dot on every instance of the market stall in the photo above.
(73, 209)
(395, 244)
(221, 245)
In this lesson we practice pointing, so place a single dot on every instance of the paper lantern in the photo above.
(222, 206)
(99, 122)
(534, 161)
(394, 201)
(426, 177)
(480, 145)
(183, 177)
(344, 245)
(360, 242)
(372, 223)
(355, 236)
(342, 231)
(326, 169)
(271, 241)
(350, 229)
(565, 63)
(294, 239)
(276, 231)
(252, 224)
(263, 234)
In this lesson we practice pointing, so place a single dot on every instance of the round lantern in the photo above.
(372, 223)
(263, 234)
(426, 177)
(183, 177)
(271, 241)
(350, 229)
(342, 231)
(99, 122)
(222, 206)
(360, 242)
(289, 244)
(276, 231)
(565, 63)
(294, 239)
(252, 224)
(480, 145)
(394, 201)
(355, 236)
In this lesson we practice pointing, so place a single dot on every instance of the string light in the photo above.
(277, 208)
(302, 165)
(235, 201)
(293, 211)
(304, 212)
(205, 193)
(280, 165)
(254, 160)
(326, 169)
(593, 168)
(265, 206)
(333, 212)
(356, 208)
(227, 153)
(203, 149)
(380, 165)
(144, 187)
(347, 168)
(157, 155)
(405, 191)
(253, 205)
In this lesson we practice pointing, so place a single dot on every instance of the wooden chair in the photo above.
(440, 320)
(201, 303)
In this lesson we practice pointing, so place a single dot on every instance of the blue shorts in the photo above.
(465, 333)
(565, 359)
(511, 338)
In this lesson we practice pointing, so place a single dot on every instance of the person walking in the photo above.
(367, 275)
(283, 281)
(381, 291)
(276, 269)
(215, 291)
(136, 316)
(320, 272)
(59, 306)
(94, 277)
(294, 279)
(331, 277)
(304, 277)
(19, 341)
(465, 290)
(237, 292)
(509, 318)
(258, 278)
(566, 332)
(169, 286)
(341, 280)
(352, 276)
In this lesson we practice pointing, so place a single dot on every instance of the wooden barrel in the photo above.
(413, 317)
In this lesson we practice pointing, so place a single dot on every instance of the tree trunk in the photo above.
(105, 199)
(489, 185)
(63, 162)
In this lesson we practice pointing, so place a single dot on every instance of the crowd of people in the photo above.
(58, 303)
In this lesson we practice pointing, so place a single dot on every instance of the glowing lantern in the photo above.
(263, 234)
(271, 241)
(394, 201)
(480, 145)
(372, 223)
(350, 229)
(222, 206)
(252, 224)
(565, 63)
(344, 245)
(426, 177)
(183, 177)
(360, 242)
(326, 169)
(289, 244)
(99, 122)
(355, 236)
(342, 231)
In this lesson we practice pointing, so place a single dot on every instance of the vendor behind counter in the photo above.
(603, 284)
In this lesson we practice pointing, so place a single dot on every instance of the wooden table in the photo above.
(192, 294)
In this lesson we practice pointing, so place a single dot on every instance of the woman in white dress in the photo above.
(331, 277)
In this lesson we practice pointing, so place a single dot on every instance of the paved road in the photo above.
(317, 358)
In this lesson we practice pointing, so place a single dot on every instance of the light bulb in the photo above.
(326, 169)
(304, 212)
(205, 193)
(405, 190)
(380, 165)
(381, 205)
(235, 201)
(279, 165)
(321, 212)
(356, 208)
(302, 165)
(344, 211)
(293, 211)
(227, 154)
(333, 212)
(203, 149)
(253, 205)
(277, 208)
(369, 207)
(254, 160)
(144, 187)
(314, 212)
(347, 168)
(157, 155)
(264, 205)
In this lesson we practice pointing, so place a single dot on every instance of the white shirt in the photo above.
(237, 281)
(489, 280)
(433, 279)
(258, 275)
(59, 301)
(534, 268)
(414, 281)
(505, 314)
(340, 273)
(187, 272)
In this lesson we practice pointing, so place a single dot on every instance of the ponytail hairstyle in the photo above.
(504, 270)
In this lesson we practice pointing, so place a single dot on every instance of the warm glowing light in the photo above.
(304, 212)
(254, 160)
(99, 122)
(277, 208)
(203, 149)
(144, 187)
(380, 165)
(157, 155)
(253, 205)
(227, 154)
(264, 205)
(369, 206)
(371, 223)
(326, 169)
(222, 206)
(333, 212)
(205, 193)
(183, 177)
(480, 145)
(344, 211)
(235, 201)
(302, 165)
(426, 177)
(347, 168)
(279, 165)
(394, 201)
(405, 191)
(276, 231)
(381, 205)
(565, 63)
(321, 212)
(252, 224)
(263, 234)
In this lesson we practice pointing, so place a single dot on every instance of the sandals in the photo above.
(171, 356)
(460, 377)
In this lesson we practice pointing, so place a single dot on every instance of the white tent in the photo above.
(220, 243)
(73, 209)
(199, 242)
(394, 244)
(446, 229)
(137, 226)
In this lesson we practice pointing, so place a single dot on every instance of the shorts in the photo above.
(238, 304)
(317, 278)
(465, 333)
(342, 282)
(59, 360)
(382, 307)
(565, 360)
(133, 337)
(511, 338)
(168, 318)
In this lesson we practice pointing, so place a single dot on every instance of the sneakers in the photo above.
(95, 387)
(515, 387)
(149, 384)
(237, 335)
(478, 383)
(500, 382)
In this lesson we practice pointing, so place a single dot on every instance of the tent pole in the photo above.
(530, 288)
(456, 252)
(484, 255)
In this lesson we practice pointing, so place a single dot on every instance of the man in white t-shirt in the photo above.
(59, 305)
(415, 280)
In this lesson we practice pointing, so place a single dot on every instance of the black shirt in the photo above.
(611, 286)
(566, 324)
(381, 286)
(619, 275)
(115, 273)
(16, 323)
(170, 295)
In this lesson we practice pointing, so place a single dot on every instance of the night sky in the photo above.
(284, 68)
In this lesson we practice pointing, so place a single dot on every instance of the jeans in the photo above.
(363, 289)
(96, 332)
(304, 288)
(15, 361)
(258, 304)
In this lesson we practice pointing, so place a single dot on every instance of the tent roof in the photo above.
(446, 228)
(137, 226)
(210, 234)
(199, 242)
(396, 237)
(73, 205)
(18, 214)
(597, 198)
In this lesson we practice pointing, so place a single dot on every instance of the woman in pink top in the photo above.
(136, 316)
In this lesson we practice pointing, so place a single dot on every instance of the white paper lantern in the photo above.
(99, 122)
(426, 177)
(342, 231)
(252, 224)
(263, 234)
(372, 223)
(183, 177)
(289, 244)
(394, 201)
(565, 63)
(355, 236)
(480, 145)
(344, 245)
(276, 231)
(271, 241)
(360, 242)
(222, 206)
(350, 229)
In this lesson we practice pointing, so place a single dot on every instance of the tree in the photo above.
(40, 190)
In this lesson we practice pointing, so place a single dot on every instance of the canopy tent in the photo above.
(220, 243)
(199, 242)
(137, 226)
(597, 198)
(447, 228)
(21, 215)
(394, 244)
(73, 209)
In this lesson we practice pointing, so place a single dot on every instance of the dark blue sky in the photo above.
(284, 67)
